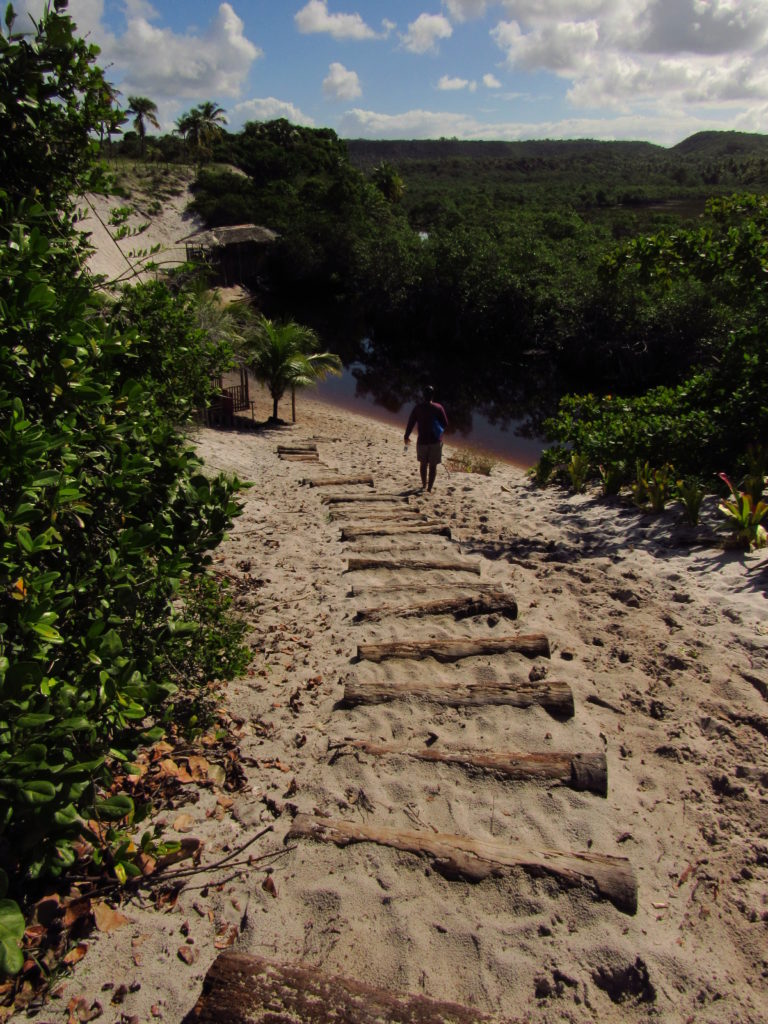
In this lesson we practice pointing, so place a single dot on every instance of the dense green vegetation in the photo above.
(106, 517)
(491, 267)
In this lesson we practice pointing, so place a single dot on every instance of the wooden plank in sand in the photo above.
(241, 988)
(461, 607)
(583, 772)
(417, 564)
(355, 530)
(385, 499)
(296, 449)
(554, 696)
(465, 857)
(532, 645)
(300, 457)
(334, 481)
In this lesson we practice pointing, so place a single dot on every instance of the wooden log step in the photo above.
(417, 564)
(394, 587)
(334, 481)
(241, 988)
(465, 857)
(554, 696)
(296, 449)
(385, 499)
(300, 457)
(531, 645)
(372, 514)
(356, 530)
(461, 607)
(583, 772)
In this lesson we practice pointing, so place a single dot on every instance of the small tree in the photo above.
(283, 356)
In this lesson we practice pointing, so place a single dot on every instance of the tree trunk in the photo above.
(461, 607)
(554, 696)
(584, 772)
(246, 989)
(354, 530)
(474, 860)
(532, 645)
(334, 481)
(420, 564)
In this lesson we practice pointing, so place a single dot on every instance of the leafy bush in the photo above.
(105, 515)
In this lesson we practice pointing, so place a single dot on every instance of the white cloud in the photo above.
(424, 34)
(665, 129)
(269, 109)
(167, 65)
(315, 17)
(621, 53)
(463, 10)
(491, 82)
(560, 47)
(447, 83)
(341, 84)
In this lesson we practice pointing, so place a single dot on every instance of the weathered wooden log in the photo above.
(299, 457)
(334, 481)
(417, 564)
(394, 530)
(294, 449)
(393, 587)
(373, 514)
(343, 499)
(554, 696)
(472, 859)
(583, 772)
(241, 988)
(531, 645)
(461, 607)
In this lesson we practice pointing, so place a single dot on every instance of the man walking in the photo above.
(430, 419)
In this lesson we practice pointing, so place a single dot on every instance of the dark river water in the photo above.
(475, 431)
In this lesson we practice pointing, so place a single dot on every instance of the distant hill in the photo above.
(719, 144)
(366, 153)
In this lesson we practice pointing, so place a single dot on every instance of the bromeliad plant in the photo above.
(744, 517)
(578, 472)
(690, 494)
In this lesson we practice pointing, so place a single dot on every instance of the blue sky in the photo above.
(658, 70)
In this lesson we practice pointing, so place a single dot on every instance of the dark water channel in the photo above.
(364, 391)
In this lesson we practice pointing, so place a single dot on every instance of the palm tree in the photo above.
(201, 126)
(145, 111)
(388, 182)
(284, 355)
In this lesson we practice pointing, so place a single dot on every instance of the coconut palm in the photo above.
(145, 112)
(284, 355)
(201, 126)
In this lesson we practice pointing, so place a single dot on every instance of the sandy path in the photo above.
(665, 647)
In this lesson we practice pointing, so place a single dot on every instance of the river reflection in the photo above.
(477, 416)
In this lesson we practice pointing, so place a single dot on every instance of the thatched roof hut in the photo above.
(235, 251)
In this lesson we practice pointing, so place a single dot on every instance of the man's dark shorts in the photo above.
(432, 454)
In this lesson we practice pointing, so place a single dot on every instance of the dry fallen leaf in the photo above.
(74, 956)
(184, 823)
(217, 774)
(225, 936)
(76, 911)
(198, 767)
(80, 1012)
(107, 918)
(268, 885)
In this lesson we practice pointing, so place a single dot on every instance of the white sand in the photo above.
(674, 637)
